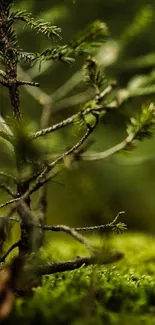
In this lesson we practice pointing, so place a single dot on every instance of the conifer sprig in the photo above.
(143, 125)
(39, 25)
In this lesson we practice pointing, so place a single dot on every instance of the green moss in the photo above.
(121, 293)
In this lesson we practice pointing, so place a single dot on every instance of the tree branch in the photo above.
(67, 153)
(27, 83)
(114, 225)
(31, 216)
(45, 171)
(74, 264)
(110, 152)
(95, 156)
(72, 118)
(71, 231)
(3, 205)
(103, 228)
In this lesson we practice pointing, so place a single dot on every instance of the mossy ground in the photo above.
(119, 293)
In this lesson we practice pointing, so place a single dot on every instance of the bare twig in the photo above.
(68, 152)
(39, 181)
(107, 153)
(72, 118)
(110, 152)
(103, 228)
(27, 83)
(64, 123)
(96, 156)
(45, 171)
(73, 233)
(62, 228)
(3, 205)
(31, 217)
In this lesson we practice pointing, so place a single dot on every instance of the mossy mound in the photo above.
(119, 293)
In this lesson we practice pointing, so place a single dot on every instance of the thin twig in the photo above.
(72, 118)
(73, 233)
(3, 205)
(62, 228)
(103, 228)
(27, 83)
(31, 216)
(46, 170)
(68, 152)
(96, 156)
(109, 152)
(39, 181)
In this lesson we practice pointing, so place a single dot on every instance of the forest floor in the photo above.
(119, 293)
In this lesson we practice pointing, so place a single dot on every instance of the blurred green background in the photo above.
(94, 192)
